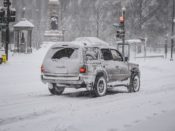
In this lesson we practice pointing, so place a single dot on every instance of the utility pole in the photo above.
(120, 33)
(8, 15)
(7, 29)
(172, 31)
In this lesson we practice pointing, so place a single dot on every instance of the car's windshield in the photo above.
(106, 54)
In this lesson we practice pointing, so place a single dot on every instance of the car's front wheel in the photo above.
(55, 90)
(100, 86)
(134, 85)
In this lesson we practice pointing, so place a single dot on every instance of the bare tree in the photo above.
(99, 11)
(142, 12)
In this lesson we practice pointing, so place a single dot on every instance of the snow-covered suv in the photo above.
(93, 65)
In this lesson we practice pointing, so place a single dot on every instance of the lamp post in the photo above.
(7, 28)
(123, 28)
(120, 33)
(7, 17)
(23, 12)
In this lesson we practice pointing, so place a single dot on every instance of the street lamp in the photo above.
(23, 12)
(123, 10)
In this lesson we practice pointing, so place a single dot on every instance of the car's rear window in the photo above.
(69, 53)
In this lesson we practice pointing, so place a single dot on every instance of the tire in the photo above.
(100, 86)
(55, 90)
(134, 85)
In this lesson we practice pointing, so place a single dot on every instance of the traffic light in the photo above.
(7, 3)
(2, 15)
(120, 34)
(12, 15)
(2, 12)
(122, 19)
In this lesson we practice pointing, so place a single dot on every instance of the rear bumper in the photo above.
(61, 80)
(74, 82)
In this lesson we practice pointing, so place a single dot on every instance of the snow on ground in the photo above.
(25, 103)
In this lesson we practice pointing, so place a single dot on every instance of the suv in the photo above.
(95, 66)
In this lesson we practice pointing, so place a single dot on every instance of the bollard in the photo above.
(4, 58)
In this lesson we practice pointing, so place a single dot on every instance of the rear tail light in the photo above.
(83, 69)
(42, 69)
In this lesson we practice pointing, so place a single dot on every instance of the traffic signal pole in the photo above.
(121, 31)
(7, 31)
(123, 38)
(6, 18)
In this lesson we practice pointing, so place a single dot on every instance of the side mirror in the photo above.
(126, 59)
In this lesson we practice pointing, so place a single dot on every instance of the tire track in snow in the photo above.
(30, 116)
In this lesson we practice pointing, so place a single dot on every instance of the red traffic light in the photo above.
(122, 19)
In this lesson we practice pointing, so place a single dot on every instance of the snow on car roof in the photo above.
(64, 44)
(91, 41)
(82, 42)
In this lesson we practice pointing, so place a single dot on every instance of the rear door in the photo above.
(107, 63)
(121, 67)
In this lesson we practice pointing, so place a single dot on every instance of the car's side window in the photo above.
(116, 55)
(92, 53)
(106, 54)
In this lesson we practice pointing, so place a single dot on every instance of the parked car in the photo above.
(94, 66)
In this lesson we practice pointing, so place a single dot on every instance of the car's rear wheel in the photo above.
(55, 90)
(100, 86)
(134, 85)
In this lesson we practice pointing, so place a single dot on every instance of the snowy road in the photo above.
(25, 103)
